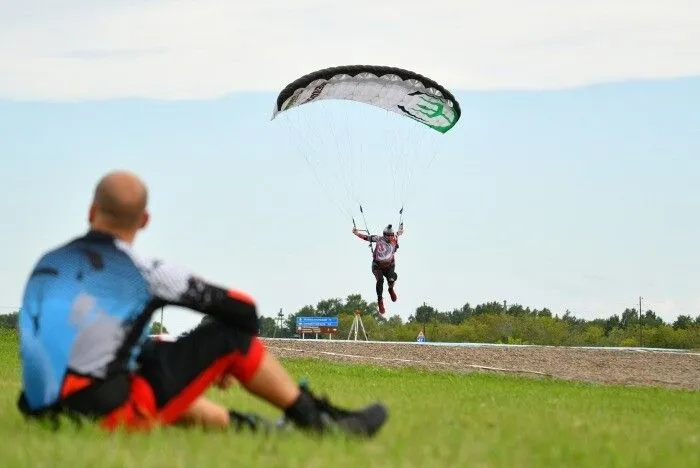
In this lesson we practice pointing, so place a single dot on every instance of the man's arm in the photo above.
(363, 236)
(400, 231)
(231, 307)
(178, 286)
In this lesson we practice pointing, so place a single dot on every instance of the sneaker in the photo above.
(364, 422)
(392, 293)
(380, 303)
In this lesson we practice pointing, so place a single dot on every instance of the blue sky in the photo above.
(583, 198)
(569, 183)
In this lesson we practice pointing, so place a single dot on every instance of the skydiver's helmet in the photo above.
(388, 232)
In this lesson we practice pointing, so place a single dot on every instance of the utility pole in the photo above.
(640, 320)
(280, 319)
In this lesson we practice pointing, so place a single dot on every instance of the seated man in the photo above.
(84, 321)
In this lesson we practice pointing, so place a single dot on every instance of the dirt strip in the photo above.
(627, 367)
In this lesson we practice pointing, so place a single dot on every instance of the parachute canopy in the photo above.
(394, 89)
(374, 128)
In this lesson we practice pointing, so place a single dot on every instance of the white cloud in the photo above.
(80, 49)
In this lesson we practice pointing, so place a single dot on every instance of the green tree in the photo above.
(355, 302)
(155, 328)
(651, 319)
(491, 323)
(425, 314)
(395, 321)
(267, 326)
(490, 308)
(629, 318)
(458, 316)
(9, 320)
(683, 322)
(612, 323)
(571, 319)
(329, 307)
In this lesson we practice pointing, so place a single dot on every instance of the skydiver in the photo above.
(383, 263)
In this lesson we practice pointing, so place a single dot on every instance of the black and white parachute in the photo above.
(395, 89)
(363, 120)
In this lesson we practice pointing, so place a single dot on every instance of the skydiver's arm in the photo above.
(400, 231)
(179, 287)
(360, 235)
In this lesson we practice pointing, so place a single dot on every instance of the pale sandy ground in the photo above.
(675, 370)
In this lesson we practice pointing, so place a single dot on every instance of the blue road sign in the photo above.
(317, 322)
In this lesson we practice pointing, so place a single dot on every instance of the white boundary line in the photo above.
(491, 345)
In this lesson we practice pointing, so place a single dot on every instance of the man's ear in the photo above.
(91, 213)
(145, 218)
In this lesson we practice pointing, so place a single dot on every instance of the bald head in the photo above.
(120, 201)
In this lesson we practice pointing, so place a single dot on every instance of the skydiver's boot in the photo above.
(380, 303)
(392, 293)
(318, 415)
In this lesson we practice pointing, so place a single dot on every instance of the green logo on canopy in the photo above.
(429, 109)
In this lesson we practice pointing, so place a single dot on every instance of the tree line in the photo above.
(496, 322)
(491, 322)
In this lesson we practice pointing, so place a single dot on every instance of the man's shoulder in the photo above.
(145, 262)
(157, 270)
(61, 248)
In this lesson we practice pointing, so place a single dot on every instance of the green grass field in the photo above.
(437, 419)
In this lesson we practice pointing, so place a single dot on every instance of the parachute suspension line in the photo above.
(405, 154)
(395, 169)
(351, 158)
(424, 172)
(304, 154)
(344, 157)
(398, 159)
(319, 151)
(365, 219)
(410, 151)
(411, 158)
(339, 152)
(367, 228)
(426, 143)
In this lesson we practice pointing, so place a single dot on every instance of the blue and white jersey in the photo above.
(88, 303)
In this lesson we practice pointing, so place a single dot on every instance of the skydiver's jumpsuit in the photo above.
(383, 262)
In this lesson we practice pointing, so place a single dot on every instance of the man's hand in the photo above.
(225, 381)
(354, 230)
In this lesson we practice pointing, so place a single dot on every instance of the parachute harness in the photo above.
(367, 227)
